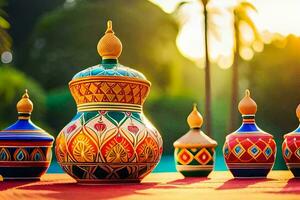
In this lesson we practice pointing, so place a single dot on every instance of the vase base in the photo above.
(107, 181)
(296, 172)
(250, 173)
(199, 173)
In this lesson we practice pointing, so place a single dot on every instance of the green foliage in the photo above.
(13, 84)
(65, 42)
(5, 40)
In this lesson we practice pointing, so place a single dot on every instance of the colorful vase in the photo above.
(194, 151)
(249, 151)
(109, 140)
(25, 149)
(291, 149)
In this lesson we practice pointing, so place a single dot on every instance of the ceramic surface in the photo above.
(249, 151)
(25, 149)
(291, 149)
(109, 140)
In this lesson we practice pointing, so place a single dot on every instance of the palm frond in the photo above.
(246, 5)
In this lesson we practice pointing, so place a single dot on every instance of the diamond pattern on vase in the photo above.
(268, 152)
(238, 150)
(203, 156)
(254, 151)
(185, 157)
(226, 150)
(297, 152)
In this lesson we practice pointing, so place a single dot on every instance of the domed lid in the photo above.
(24, 129)
(248, 108)
(109, 48)
(195, 137)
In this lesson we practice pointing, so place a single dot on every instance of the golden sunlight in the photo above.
(282, 19)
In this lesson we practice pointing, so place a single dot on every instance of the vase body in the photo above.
(291, 151)
(249, 151)
(194, 151)
(109, 140)
(195, 162)
(25, 149)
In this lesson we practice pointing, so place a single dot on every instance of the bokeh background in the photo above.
(43, 43)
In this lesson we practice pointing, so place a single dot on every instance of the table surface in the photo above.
(220, 185)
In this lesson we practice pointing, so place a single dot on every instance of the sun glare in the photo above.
(282, 19)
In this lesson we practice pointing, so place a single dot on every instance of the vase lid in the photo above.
(24, 128)
(195, 137)
(109, 48)
(297, 131)
(248, 108)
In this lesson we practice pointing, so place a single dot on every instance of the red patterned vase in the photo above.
(249, 151)
(25, 149)
(291, 149)
(194, 151)
(109, 140)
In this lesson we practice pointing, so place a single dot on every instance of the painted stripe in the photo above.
(109, 106)
(194, 167)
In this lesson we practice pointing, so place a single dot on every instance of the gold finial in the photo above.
(25, 105)
(298, 112)
(195, 119)
(247, 105)
(109, 46)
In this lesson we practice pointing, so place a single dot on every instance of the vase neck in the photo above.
(109, 63)
(24, 116)
(248, 119)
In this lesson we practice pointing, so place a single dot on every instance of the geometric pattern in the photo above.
(238, 150)
(203, 156)
(108, 90)
(291, 148)
(107, 145)
(249, 149)
(26, 154)
(185, 157)
(255, 151)
(268, 152)
(194, 156)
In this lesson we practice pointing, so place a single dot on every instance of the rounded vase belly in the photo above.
(108, 146)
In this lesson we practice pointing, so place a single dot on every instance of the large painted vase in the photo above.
(109, 140)
(25, 149)
(291, 149)
(249, 151)
(194, 151)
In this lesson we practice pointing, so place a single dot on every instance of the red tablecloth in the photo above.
(220, 185)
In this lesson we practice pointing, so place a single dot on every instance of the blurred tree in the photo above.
(12, 87)
(5, 39)
(65, 42)
(207, 71)
(23, 16)
(240, 15)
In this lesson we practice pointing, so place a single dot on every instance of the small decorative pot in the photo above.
(194, 152)
(25, 149)
(249, 151)
(291, 149)
(109, 140)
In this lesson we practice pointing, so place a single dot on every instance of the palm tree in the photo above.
(5, 39)
(207, 71)
(240, 14)
(207, 62)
